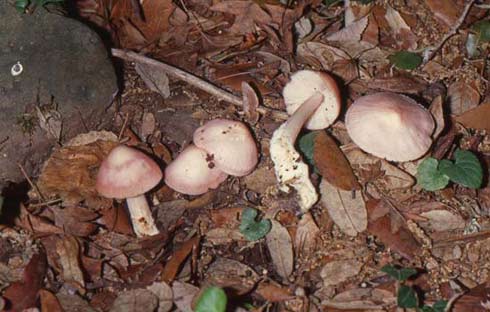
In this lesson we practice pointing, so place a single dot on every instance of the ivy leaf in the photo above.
(466, 169)
(482, 29)
(407, 297)
(252, 229)
(429, 177)
(306, 145)
(213, 299)
(439, 306)
(399, 274)
(405, 60)
(21, 5)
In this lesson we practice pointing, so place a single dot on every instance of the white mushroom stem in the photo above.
(143, 224)
(290, 169)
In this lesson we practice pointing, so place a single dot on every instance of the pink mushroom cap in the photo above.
(127, 172)
(192, 173)
(229, 144)
(390, 125)
(302, 86)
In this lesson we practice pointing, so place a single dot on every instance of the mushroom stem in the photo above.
(293, 125)
(143, 224)
(290, 170)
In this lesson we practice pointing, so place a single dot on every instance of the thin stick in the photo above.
(121, 132)
(33, 186)
(450, 33)
(195, 81)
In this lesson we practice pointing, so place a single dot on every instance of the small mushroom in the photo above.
(302, 85)
(390, 126)
(230, 145)
(315, 100)
(193, 172)
(128, 174)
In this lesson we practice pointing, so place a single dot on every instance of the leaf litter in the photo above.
(67, 248)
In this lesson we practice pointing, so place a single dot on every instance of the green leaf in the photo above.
(482, 29)
(466, 169)
(427, 308)
(213, 299)
(429, 177)
(306, 144)
(440, 305)
(407, 297)
(21, 5)
(364, 1)
(251, 229)
(405, 60)
(399, 274)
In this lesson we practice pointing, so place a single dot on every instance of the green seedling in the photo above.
(250, 228)
(482, 30)
(212, 299)
(23, 5)
(466, 170)
(405, 60)
(406, 296)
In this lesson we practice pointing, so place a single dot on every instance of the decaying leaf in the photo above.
(148, 125)
(154, 78)
(446, 12)
(442, 220)
(404, 36)
(352, 32)
(362, 299)
(136, 300)
(332, 164)
(164, 294)
(228, 273)
(281, 249)
(73, 302)
(347, 211)
(75, 220)
(172, 266)
(306, 235)
(50, 121)
(250, 102)
(476, 118)
(273, 292)
(438, 113)
(183, 295)
(462, 96)
(49, 302)
(338, 271)
(69, 258)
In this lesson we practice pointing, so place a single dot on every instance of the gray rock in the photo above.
(67, 78)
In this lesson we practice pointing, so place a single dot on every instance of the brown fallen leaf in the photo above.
(35, 224)
(398, 83)
(403, 35)
(280, 249)
(394, 234)
(68, 251)
(155, 79)
(49, 302)
(273, 292)
(476, 299)
(446, 12)
(306, 236)
(476, 118)
(436, 109)
(348, 212)
(462, 96)
(116, 218)
(362, 299)
(184, 293)
(172, 266)
(250, 103)
(75, 220)
(23, 294)
(442, 220)
(164, 294)
(228, 273)
(338, 271)
(136, 300)
(73, 302)
(332, 163)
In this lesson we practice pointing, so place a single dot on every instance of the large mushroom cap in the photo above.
(127, 172)
(192, 173)
(229, 144)
(390, 125)
(303, 85)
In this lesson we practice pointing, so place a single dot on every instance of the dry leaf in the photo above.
(136, 300)
(250, 103)
(273, 292)
(462, 97)
(336, 272)
(352, 32)
(446, 12)
(75, 220)
(228, 273)
(183, 295)
(390, 230)
(437, 112)
(49, 302)
(23, 295)
(91, 137)
(261, 179)
(280, 249)
(178, 257)
(73, 302)
(442, 220)
(69, 258)
(332, 164)
(155, 79)
(50, 121)
(148, 125)
(348, 212)
(306, 235)
(362, 299)
(247, 15)
(399, 83)
(164, 294)
(476, 118)
(222, 236)
(404, 37)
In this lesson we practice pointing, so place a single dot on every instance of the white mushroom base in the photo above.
(141, 218)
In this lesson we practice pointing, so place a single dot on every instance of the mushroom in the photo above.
(321, 97)
(302, 85)
(390, 125)
(229, 144)
(193, 172)
(128, 174)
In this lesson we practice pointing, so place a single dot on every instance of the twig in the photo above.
(33, 186)
(450, 33)
(121, 132)
(195, 81)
